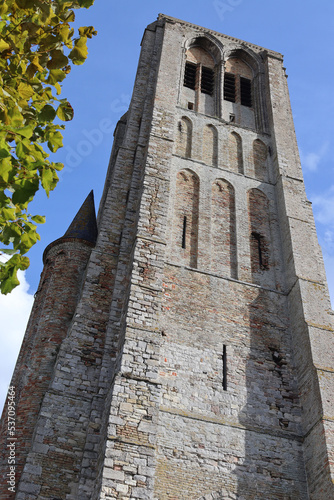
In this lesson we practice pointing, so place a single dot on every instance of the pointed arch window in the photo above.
(184, 137)
(260, 237)
(223, 229)
(199, 85)
(210, 145)
(238, 82)
(235, 153)
(185, 220)
(260, 155)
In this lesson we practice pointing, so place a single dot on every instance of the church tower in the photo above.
(194, 356)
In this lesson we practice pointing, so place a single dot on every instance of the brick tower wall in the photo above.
(54, 306)
(174, 431)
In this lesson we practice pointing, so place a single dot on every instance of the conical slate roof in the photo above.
(84, 225)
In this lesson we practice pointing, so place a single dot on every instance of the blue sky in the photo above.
(100, 91)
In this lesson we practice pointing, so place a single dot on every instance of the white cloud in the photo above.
(15, 310)
(310, 161)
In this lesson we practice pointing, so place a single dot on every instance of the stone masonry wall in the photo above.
(52, 313)
(162, 427)
(311, 315)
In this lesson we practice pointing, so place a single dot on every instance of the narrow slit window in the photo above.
(245, 92)
(184, 230)
(224, 368)
(207, 81)
(229, 87)
(190, 75)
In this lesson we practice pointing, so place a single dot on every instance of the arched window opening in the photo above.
(260, 155)
(259, 232)
(185, 222)
(184, 138)
(210, 145)
(238, 82)
(238, 92)
(200, 76)
(223, 229)
(235, 153)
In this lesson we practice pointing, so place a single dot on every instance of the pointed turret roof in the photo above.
(84, 225)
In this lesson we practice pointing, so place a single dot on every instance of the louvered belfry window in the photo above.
(229, 87)
(190, 75)
(245, 92)
(238, 89)
(207, 80)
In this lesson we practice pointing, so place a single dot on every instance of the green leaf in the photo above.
(8, 213)
(49, 180)
(47, 114)
(20, 150)
(25, 191)
(25, 262)
(8, 272)
(28, 240)
(3, 9)
(39, 219)
(55, 141)
(16, 118)
(58, 60)
(8, 278)
(4, 153)
(69, 16)
(6, 169)
(55, 75)
(85, 3)
(11, 233)
(35, 62)
(25, 4)
(25, 131)
(25, 90)
(58, 88)
(3, 45)
(57, 166)
(79, 53)
(87, 31)
(65, 112)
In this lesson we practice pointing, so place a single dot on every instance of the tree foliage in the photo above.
(37, 47)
